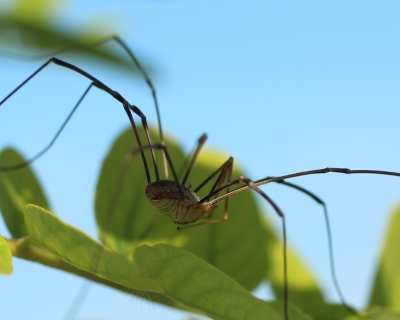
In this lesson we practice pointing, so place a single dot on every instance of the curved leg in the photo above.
(294, 175)
(132, 56)
(193, 157)
(251, 185)
(329, 235)
(53, 140)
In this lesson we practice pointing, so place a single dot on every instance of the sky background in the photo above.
(282, 86)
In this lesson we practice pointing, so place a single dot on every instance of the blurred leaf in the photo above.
(5, 257)
(78, 249)
(386, 289)
(17, 188)
(33, 25)
(39, 10)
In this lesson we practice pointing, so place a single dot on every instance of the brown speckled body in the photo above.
(166, 199)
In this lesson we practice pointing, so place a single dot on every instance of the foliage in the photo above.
(209, 269)
(34, 26)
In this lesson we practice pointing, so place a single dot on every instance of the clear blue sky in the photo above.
(282, 86)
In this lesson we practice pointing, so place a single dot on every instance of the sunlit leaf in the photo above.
(78, 249)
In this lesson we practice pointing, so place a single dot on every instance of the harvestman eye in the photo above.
(177, 200)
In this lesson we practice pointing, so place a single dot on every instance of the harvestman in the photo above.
(177, 200)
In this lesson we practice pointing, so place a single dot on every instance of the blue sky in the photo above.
(282, 86)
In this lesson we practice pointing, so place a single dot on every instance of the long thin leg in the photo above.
(251, 185)
(115, 94)
(225, 171)
(146, 129)
(329, 235)
(96, 44)
(97, 83)
(330, 242)
(153, 92)
(46, 148)
(294, 175)
(193, 157)
(221, 169)
(133, 58)
(226, 174)
(267, 180)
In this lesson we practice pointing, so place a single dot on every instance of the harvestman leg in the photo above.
(95, 82)
(96, 44)
(301, 189)
(193, 157)
(254, 185)
(130, 53)
(226, 169)
(329, 235)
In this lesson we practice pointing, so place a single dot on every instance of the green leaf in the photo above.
(83, 252)
(17, 188)
(386, 289)
(5, 257)
(200, 286)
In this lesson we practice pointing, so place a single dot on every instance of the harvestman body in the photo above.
(174, 199)
(181, 206)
